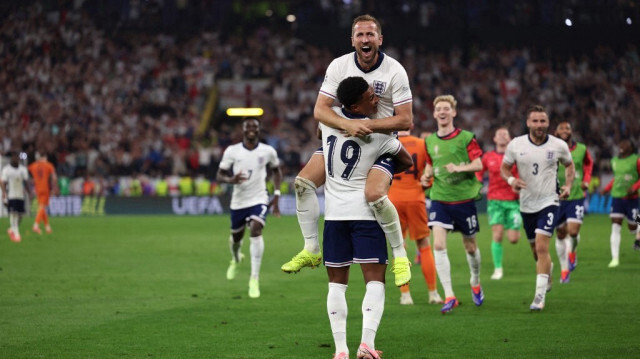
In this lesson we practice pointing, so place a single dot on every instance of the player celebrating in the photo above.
(502, 207)
(407, 195)
(351, 233)
(624, 192)
(537, 155)
(571, 211)
(391, 84)
(45, 182)
(245, 166)
(14, 187)
(453, 156)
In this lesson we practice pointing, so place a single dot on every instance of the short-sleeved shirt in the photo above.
(347, 161)
(14, 177)
(538, 168)
(41, 171)
(253, 163)
(387, 77)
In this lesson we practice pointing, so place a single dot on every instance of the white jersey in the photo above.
(14, 178)
(538, 168)
(388, 79)
(253, 163)
(347, 161)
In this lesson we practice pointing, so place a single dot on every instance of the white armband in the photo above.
(276, 192)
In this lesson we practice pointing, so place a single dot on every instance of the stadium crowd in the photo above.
(112, 107)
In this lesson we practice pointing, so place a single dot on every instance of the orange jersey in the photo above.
(406, 185)
(42, 171)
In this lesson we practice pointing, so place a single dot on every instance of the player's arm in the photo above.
(426, 180)
(480, 174)
(325, 114)
(570, 175)
(3, 185)
(475, 157)
(636, 186)
(608, 187)
(277, 181)
(226, 176)
(400, 121)
(587, 170)
(505, 172)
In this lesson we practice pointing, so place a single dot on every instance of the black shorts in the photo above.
(16, 205)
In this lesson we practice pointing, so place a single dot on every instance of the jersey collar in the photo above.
(374, 67)
(351, 115)
(451, 135)
(546, 139)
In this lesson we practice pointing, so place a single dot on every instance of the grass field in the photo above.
(155, 287)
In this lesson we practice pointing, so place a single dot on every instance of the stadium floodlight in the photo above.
(629, 22)
(291, 18)
(244, 111)
(568, 22)
(269, 12)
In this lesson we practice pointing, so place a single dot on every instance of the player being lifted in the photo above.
(391, 84)
(14, 188)
(502, 207)
(245, 165)
(453, 157)
(537, 155)
(351, 233)
(624, 191)
(407, 195)
(571, 212)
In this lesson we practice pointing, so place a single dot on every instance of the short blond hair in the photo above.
(446, 98)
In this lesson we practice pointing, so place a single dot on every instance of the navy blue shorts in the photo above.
(15, 206)
(462, 217)
(241, 217)
(348, 242)
(571, 211)
(624, 208)
(543, 222)
(384, 163)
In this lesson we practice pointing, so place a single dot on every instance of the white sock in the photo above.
(256, 250)
(562, 249)
(474, 267)
(308, 212)
(615, 240)
(443, 267)
(14, 221)
(541, 285)
(235, 249)
(372, 309)
(337, 310)
(387, 216)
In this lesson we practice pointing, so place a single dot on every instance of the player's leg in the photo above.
(404, 211)
(543, 270)
(616, 215)
(440, 223)
(562, 251)
(573, 229)
(465, 219)
(419, 231)
(43, 201)
(338, 256)
(497, 216)
(308, 180)
(257, 221)
(238, 225)
(36, 223)
(369, 243)
(376, 189)
(636, 220)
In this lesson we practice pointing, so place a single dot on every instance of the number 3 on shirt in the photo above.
(349, 154)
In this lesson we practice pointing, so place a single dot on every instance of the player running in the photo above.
(245, 165)
(571, 212)
(624, 190)
(45, 182)
(14, 188)
(503, 208)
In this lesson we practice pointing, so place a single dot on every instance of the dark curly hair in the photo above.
(351, 89)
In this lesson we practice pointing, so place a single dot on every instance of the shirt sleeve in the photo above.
(331, 81)
(509, 158)
(474, 150)
(565, 154)
(275, 161)
(227, 159)
(401, 92)
(480, 174)
(587, 167)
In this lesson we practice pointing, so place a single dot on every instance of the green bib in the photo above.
(625, 173)
(451, 187)
(578, 154)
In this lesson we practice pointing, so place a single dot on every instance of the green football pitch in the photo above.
(155, 287)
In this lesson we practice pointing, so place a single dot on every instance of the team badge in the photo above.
(379, 87)
(550, 155)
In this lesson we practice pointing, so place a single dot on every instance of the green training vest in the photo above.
(451, 187)
(578, 154)
(625, 173)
